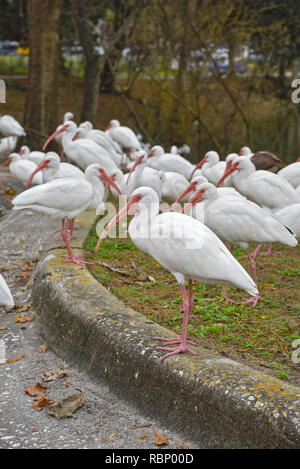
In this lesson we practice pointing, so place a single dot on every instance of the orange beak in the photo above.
(41, 166)
(109, 180)
(151, 153)
(193, 201)
(60, 131)
(122, 213)
(189, 189)
(9, 160)
(230, 168)
(198, 165)
(137, 162)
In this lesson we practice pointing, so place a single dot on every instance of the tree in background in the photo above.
(41, 99)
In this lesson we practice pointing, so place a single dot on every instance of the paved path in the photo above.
(104, 421)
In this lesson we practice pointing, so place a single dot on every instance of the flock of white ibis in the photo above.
(228, 203)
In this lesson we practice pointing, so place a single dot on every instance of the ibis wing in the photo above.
(60, 194)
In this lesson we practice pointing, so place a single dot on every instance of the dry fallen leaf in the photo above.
(31, 391)
(160, 439)
(11, 360)
(53, 375)
(34, 430)
(2, 328)
(42, 401)
(43, 348)
(66, 407)
(22, 309)
(110, 436)
(23, 318)
(144, 436)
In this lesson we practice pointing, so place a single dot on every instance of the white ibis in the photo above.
(34, 156)
(267, 189)
(173, 185)
(68, 116)
(6, 298)
(7, 145)
(162, 161)
(141, 175)
(238, 221)
(9, 126)
(263, 187)
(22, 169)
(291, 173)
(100, 137)
(52, 168)
(83, 151)
(211, 166)
(186, 248)
(124, 136)
(64, 198)
(195, 184)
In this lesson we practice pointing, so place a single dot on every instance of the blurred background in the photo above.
(212, 74)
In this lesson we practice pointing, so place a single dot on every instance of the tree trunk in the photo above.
(41, 98)
(91, 90)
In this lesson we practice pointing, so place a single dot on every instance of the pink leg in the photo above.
(225, 298)
(2, 186)
(187, 303)
(69, 226)
(269, 252)
(251, 257)
(71, 258)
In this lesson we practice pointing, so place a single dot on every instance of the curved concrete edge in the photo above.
(214, 401)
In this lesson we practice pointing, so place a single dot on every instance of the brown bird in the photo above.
(262, 159)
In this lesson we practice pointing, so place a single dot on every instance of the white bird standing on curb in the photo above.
(65, 199)
(10, 127)
(6, 298)
(185, 247)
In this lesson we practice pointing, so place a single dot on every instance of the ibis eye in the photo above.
(139, 197)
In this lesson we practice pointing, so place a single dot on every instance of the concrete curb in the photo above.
(214, 401)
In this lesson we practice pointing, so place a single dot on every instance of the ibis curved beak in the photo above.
(57, 132)
(193, 201)
(230, 168)
(41, 166)
(6, 162)
(190, 188)
(151, 154)
(198, 165)
(76, 136)
(122, 213)
(137, 162)
(109, 180)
